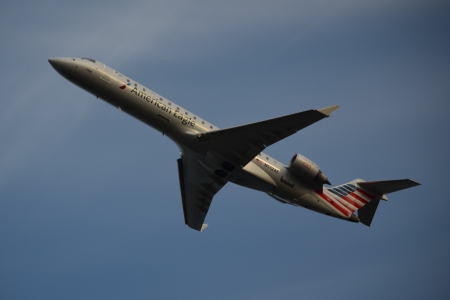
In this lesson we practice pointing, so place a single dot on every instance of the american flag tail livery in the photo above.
(359, 195)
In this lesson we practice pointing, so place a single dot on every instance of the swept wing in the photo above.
(198, 187)
(242, 143)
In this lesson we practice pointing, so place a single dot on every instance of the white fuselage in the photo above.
(263, 173)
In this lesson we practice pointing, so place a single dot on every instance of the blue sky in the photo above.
(90, 206)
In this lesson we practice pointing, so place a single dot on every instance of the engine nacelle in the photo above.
(307, 170)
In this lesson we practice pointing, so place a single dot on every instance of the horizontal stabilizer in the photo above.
(388, 186)
(380, 188)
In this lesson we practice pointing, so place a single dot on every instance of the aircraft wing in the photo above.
(198, 187)
(242, 143)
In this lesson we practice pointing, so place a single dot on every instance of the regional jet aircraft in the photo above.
(211, 157)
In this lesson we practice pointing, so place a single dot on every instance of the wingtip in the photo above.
(415, 182)
(327, 111)
(204, 226)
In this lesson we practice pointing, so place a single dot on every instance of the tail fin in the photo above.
(364, 197)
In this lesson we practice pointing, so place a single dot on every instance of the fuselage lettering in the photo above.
(184, 120)
(272, 168)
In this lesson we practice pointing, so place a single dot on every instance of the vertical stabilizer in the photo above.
(366, 213)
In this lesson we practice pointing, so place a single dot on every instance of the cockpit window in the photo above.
(89, 59)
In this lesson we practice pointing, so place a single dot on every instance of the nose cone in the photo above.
(53, 61)
(56, 62)
(61, 65)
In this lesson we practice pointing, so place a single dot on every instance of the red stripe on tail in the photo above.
(357, 205)
(364, 201)
(345, 201)
(366, 194)
(334, 203)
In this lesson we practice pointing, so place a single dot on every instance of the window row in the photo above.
(170, 104)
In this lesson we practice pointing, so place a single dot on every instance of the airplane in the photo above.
(211, 157)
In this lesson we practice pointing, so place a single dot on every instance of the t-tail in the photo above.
(364, 197)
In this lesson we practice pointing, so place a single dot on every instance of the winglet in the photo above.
(204, 226)
(327, 111)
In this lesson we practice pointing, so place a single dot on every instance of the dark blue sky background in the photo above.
(90, 206)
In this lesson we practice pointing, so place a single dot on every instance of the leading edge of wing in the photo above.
(292, 122)
(241, 144)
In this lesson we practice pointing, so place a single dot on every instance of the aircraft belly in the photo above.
(253, 177)
(314, 203)
(297, 193)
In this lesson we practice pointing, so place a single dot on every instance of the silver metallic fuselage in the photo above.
(263, 173)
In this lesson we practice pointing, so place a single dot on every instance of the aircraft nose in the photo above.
(55, 62)
(61, 65)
